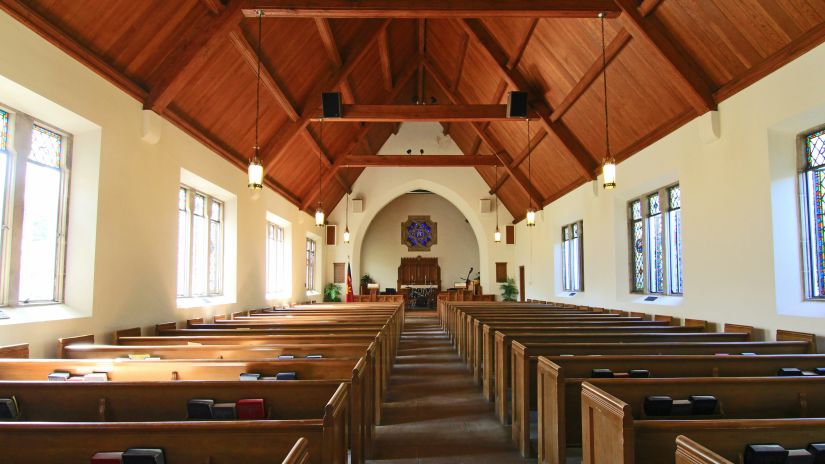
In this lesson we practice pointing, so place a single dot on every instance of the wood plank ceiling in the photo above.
(193, 62)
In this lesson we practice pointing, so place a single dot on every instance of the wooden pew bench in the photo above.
(82, 418)
(299, 454)
(616, 430)
(560, 379)
(15, 351)
(789, 433)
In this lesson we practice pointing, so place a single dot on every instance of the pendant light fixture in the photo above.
(497, 234)
(346, 227)
(609, 165)
(256, 168)
(319, 211)
(531, 212)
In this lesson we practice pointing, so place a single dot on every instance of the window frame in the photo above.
(665, 218)
(279, 255)
(209, 201)
(19, 134)
(311, 251)
(806, 200)
(568, 242)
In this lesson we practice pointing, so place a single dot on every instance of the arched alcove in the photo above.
(456, 246)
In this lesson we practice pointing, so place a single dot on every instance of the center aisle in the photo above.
(434, 413)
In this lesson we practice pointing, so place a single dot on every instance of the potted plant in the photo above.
(332, 293)
(509, 292)
(365, 279)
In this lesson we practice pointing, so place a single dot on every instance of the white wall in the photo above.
(740, 220)
(126, 191)
(456, 250)
(462, 187)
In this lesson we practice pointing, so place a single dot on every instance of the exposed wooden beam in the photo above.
(537, 139)
(648, 7)
(386, 64)
(422, 50)
(417, 161)
(275, 146)
(516, 58)
(435, 8)
(681, 69)
(594, 71)
(431, 113)
(465, 44)
(331, 46)
(486, 137)
(326, 159)
(183, 63)
(214, 6)
(24, 13)
(583, 161)
(362, 133)
(250, 56)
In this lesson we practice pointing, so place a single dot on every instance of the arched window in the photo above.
(812, 205)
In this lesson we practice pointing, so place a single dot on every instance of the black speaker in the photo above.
(517, 105)
(332, 104)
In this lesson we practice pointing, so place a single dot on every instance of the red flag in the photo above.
(350, 295)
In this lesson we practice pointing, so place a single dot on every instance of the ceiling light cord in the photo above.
(258, 86)
(529, 167)
(604, 79)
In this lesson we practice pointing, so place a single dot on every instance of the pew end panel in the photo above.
(19, 351)
(791, 336)
(690, 452)
(299, 453)
(130, 332)
(336, 413)
(697, 323)
(607, 428)
(160, 328)
(738, 328)
(551, 410)
(62, 343)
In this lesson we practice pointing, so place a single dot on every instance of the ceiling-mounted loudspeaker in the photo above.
(517, 105)
(331, 102)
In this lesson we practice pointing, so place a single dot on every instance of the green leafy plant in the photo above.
(366, 279)
(332, 293)
(509, 292)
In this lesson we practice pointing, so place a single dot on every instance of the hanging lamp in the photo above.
(256, 169)
(497, 234)
(346, 227)
(319, 211)
(531, 212)
(609, 164)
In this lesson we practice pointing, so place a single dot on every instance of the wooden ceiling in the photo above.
(193, 62)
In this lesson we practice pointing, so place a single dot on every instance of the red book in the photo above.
(111, 457)
(250, 409)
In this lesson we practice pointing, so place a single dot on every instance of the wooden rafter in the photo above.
(275, 146)
(250, 56)
(183, 63)
(422, 50)
(214, 6)
(681, 69)
(435, 8)
(611, 51)
(583, 161)
(430, 113)
(326, 159)
(420, 161)
(465, 44)
(648, 7)
(516, 58)
(537, 139)
(331, 46)
(485, 136)
(361, 134)
(386, 64)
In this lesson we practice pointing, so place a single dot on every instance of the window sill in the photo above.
(661, 300)
(204, 301)
(41, 313)
(570, 294)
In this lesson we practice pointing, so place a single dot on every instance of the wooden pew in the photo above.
(615, 430)
(524, 363)
(80, 419)
(335, 371)
(560, 379)
(299, 453)
(15, 351)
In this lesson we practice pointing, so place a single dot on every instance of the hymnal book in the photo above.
(200, 409)
(9, 409)
(250, 409)
(224, 411)
(96, 377)
(138, 357)
(286, 356)
(59, 376)
(108, 457)
(143, 456)
(286, 376)
(314, 356)
(76, 378)
(250, 376)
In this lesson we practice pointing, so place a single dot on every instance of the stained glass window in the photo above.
(656, 242)
(4, 131)
(813, 213)
(309, 283)
(47, 147)
(571, 256)
(675, 240)
(654, 245)
(637, 246)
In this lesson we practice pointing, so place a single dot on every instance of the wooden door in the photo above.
(521, 283)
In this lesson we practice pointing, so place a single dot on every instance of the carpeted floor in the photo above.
(434, 413)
